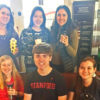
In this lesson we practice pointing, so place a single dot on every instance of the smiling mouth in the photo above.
(61, 21)
(6, 71)
(5, 21)
(41, 64)
(38, 22)
(86, 75)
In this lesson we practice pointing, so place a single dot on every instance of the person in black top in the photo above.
(45, 83)
(87, 86)
(34, 34)
(9, 40)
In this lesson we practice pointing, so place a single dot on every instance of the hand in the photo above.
(37, 41)
(64, 40)
(12, 91)
(78, 34)
(16, 51)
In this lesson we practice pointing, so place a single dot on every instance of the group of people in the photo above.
(44, 54)
(63, 36)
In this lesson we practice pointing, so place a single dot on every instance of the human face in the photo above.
(61, 17)
(4, 16)
(38, 18)
(6, 67)
(42, 61)
(86, 70)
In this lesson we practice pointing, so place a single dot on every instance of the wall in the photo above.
(16, 6)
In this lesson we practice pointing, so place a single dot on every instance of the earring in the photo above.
(94, 75)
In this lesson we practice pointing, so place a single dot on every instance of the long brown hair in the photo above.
(10, 24)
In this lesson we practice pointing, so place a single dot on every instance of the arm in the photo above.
(71, 95)
(23, 43)
(20, 84)
(73, 47)
(15, 93)
(20, 93)
(22, 64)
(22, 50)
(27, 96)
(62, 97)
(49, 37)
(61, 88)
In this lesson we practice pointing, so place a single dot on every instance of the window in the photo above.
(7, 2)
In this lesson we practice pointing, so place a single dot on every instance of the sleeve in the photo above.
(20, 84)
(61, 87)
(73, 47)
(17, 38)
(22, 41)
(98, 84)
(72, 87)
(49, 37)
(27, 85)
(26, 42)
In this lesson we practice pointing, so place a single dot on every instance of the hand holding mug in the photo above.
(13, 46)
(12, 92)
(37, 41)
(64, 39)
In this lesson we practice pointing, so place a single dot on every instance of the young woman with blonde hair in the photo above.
(11, 84)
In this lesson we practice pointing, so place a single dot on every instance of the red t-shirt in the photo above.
(4, 94)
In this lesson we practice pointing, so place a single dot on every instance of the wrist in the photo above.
(17, 93)
(66, 45)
